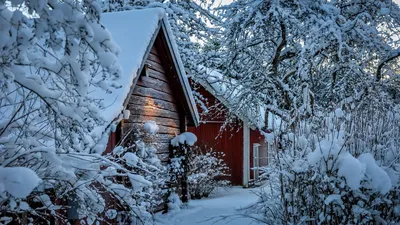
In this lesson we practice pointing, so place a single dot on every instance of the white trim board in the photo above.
(246, 154)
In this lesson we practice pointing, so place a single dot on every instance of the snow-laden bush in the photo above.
(53, 56)
(316, 177)
(207, 171)
(147, 185)
(174, 202)
(151, 167)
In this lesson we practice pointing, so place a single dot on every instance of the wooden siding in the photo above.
(229, 141)
(154, 99)
(113, 140)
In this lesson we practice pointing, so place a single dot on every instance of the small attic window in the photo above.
(145, 71)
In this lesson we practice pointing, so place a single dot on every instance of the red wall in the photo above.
(229, 141)
(112, 142)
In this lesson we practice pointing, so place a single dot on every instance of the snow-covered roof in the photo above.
(181, 71)
(228, 92)
(134, 32)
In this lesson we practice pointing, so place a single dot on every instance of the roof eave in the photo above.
(181, 73)
(220, 98)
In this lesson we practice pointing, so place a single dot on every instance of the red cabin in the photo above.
(156, 87)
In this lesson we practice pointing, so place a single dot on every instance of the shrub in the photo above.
(141, 157)
(317, 177)
(207, 171)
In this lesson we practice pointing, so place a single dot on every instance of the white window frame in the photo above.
(246, 154)
(256, 160)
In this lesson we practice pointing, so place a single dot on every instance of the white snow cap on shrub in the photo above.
(138, 182)
(187, 137)
(131, 159)
(363, 168)
(325, 148)
(111, 214)
(339, 112)
(151, 127)
(351, 169)
(379, 179)
(174, 202)
(18, 181)
(354, 170)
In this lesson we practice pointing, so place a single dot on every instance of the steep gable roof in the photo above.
(135, 32)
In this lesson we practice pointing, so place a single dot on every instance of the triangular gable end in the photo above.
(154, 25)
(163, 40)
(185, 91)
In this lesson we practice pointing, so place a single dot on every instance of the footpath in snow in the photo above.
(208, 211)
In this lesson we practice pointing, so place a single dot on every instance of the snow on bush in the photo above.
(362, 171)
(54, 54)
(111, 213)
(19, 182)
(132, 178)
(328, 181)
(151, 127)
(207, 171)
(378, 178)
(146, 183)
(179, 165)
(185, 137)
(174, 202)
(131, 159)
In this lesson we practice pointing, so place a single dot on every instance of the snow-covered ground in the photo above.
(208, 211)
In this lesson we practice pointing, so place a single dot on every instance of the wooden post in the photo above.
(178, 182)
(184, 181)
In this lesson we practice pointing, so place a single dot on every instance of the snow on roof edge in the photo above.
(134, 46)
(134, 31)
(254, 124)
(181, 70)
(140, 68)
